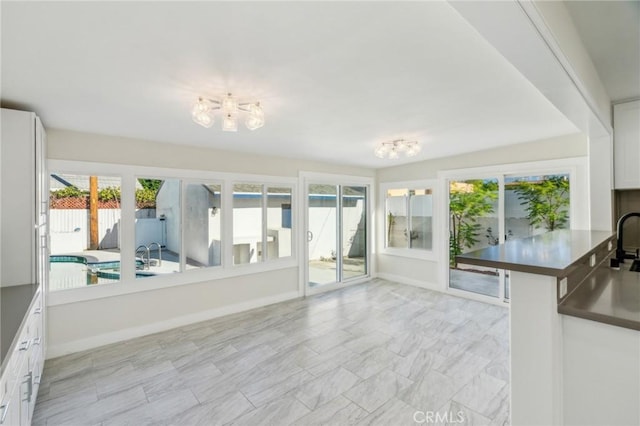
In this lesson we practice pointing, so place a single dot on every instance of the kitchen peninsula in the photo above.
(574, 328)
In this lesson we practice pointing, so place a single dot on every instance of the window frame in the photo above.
(128, 174)
(408, 251)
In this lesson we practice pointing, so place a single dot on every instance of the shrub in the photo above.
(146, 198)
(109, 193)
(69, 192)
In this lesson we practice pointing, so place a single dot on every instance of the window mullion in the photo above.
(127, 227)
(408, 210)
(183, 214)
(227, 224)
(339, 232)
(265, 244)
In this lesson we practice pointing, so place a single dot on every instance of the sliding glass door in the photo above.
(337, 241)
(354, 232)
(490, 210)
(474, 223)
(533, 205)
(322, 234)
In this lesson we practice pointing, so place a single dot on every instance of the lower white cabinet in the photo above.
(21, 378)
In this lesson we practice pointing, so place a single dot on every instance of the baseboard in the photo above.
(409, 281)
(55, 351)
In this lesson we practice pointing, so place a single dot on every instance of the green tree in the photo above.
(546, 201)
(151, 184)
(467, 203)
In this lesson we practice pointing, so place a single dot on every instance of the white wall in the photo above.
(78, 326)
(78, 146)
(81, 325)
(427, 273)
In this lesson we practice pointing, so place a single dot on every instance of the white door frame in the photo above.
(332, 179)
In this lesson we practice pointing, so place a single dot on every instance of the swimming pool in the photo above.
(71, 271)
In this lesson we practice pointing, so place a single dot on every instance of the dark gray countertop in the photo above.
(551, 254)
(14, 305)
(607, 295)
(600, 294)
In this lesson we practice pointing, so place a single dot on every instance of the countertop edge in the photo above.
(14, 342)
(600, 318)
(473, 258)
(516, 267)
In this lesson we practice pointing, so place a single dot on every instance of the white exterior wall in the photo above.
(168, 204)
(322, 223)
(65, 222)
(201, 228)
(149, 230)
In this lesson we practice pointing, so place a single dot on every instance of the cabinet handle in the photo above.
(5, 410)
(24, 345)
(37, 310)
(37, 340)
(29, 383)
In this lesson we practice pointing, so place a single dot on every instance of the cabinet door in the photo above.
(18, 197)
(626, 121)
(43, 240)
(25, 388)
(10, 411)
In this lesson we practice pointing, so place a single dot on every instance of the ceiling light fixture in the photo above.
(204, 108)
(392, 149)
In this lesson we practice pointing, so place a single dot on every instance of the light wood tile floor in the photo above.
(374, 354)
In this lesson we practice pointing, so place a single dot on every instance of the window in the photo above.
(84, 219)
(261, 222)
(158, 237)
(409, 218)
(180, 226)
(247, 223)
(279, 239)
(202, 225)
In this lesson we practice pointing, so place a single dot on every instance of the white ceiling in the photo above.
(334, 78)
(610, 31)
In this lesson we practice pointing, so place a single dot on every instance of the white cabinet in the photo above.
(23, 263)
(24, 198)
(23, 369)
(626, 143)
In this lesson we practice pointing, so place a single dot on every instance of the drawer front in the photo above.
(36, 330)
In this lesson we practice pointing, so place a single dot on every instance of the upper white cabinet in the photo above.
(24, 200)
(626, 143)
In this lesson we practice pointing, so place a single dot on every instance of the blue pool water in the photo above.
(76, 271)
